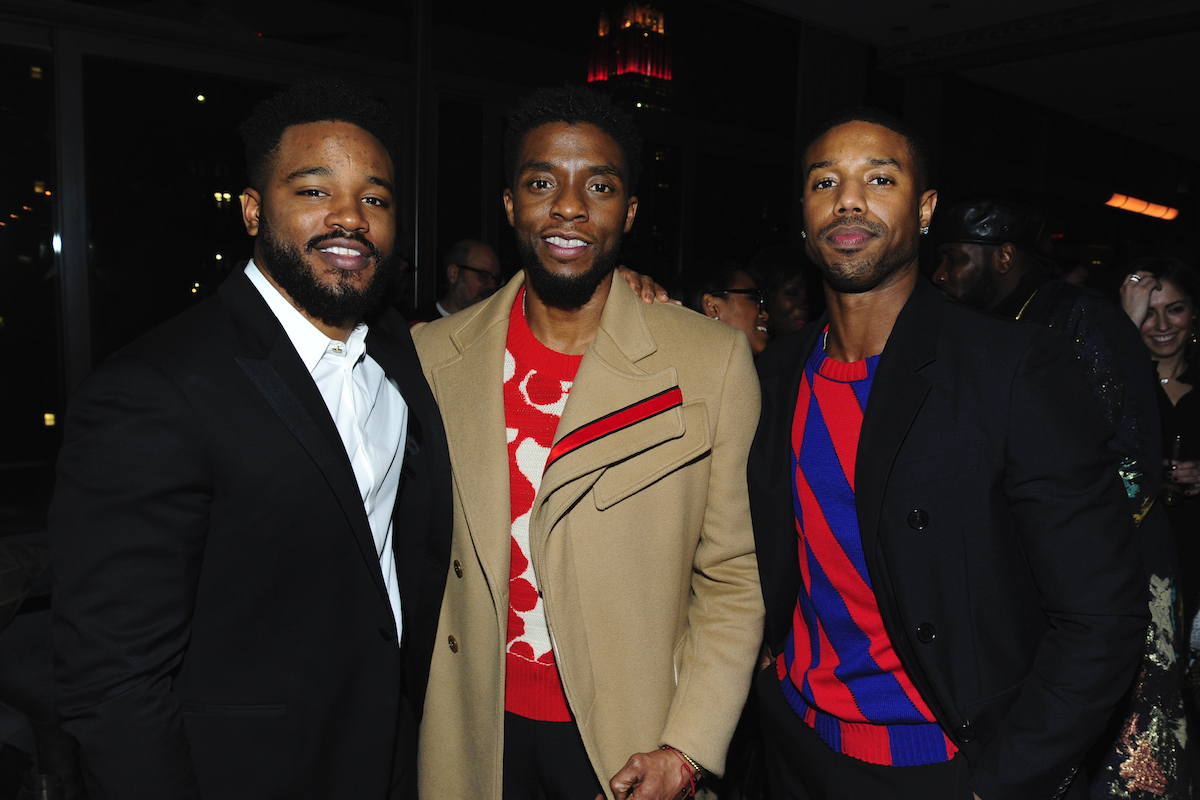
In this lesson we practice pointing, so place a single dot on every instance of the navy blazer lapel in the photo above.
(897, 394)
(274, 367)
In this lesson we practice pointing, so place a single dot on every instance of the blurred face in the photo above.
(741, 311)
(325, 223)
(862, 208)
(1168, 328)
(569, 208)
(789, 308)
(477, 277)
(964, 274)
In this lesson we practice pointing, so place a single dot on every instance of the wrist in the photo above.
(689, 767)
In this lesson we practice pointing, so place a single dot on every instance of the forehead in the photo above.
(561, 142)
(969, 249)
(330, 143)
(1168, 294)
(742, 281)
(855, 143)
(482, 257)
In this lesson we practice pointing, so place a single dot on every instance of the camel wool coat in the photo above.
(640, 539)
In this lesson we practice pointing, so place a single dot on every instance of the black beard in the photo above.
(857, 277)
(565, 292)
(333, 305)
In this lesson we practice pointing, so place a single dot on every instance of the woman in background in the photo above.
(728, 293)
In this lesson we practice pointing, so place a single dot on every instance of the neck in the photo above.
(450, 303)
(569, 332)
(1172, 367)
(860, 323)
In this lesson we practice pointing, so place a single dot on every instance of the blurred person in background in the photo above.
(792, 287)
(990, 260)
(472, 274)
(1159, 295)
(727, 292)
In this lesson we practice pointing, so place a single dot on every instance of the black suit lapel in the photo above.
(897, 395)
(274, 367)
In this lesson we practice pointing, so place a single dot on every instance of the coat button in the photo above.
(388, 634)
(457, 568)
(453, 644)
(926, 632)
(917, 519)
(966, 733)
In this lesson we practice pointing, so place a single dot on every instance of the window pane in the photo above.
(164, 174)
(30, 393)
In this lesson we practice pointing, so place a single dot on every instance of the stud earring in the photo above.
(803, 234)
(924, 230)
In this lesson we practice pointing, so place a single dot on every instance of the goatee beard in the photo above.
(336, 305)
(565, 292)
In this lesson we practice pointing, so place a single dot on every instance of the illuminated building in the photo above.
(632, 56)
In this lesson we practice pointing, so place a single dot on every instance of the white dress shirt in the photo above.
(369, 411)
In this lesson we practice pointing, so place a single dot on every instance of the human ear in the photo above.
(251, 208)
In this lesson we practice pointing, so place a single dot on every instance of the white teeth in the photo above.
(561, 242)
(760, 328)
(340, 251)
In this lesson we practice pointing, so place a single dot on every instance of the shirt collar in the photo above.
(308, 340)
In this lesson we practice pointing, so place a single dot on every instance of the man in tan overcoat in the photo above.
(603, 615)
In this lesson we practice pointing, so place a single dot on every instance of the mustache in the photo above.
(852, 221)
(317, 241)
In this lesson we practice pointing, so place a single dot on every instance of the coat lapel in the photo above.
(276, 371)
(897, 394)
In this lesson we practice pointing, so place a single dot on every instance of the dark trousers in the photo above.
(802, 767)
(546, 761)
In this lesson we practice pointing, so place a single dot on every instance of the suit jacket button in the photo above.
(966, 733)
(917, 519)
(926, 632)
(388, 634)
(453, 644)
(457, 568)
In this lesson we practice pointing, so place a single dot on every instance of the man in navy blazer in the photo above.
(979, 608)
(252, 518)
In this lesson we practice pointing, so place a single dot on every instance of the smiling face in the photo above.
(863, 210)
(740, 311)
(1168, 327)
(325, 223)
(569, 206)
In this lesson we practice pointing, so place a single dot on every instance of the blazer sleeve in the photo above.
(1079, 542)
(726, 611)
(128, 524)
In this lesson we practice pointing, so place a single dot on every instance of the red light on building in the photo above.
(638, 44)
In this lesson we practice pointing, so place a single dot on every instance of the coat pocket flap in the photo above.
(652, 455)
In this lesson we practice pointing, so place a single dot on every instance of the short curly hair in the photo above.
(572, 105)
(317, 100)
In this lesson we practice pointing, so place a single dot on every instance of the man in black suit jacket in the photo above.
(252, 518)
(1000, 561)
